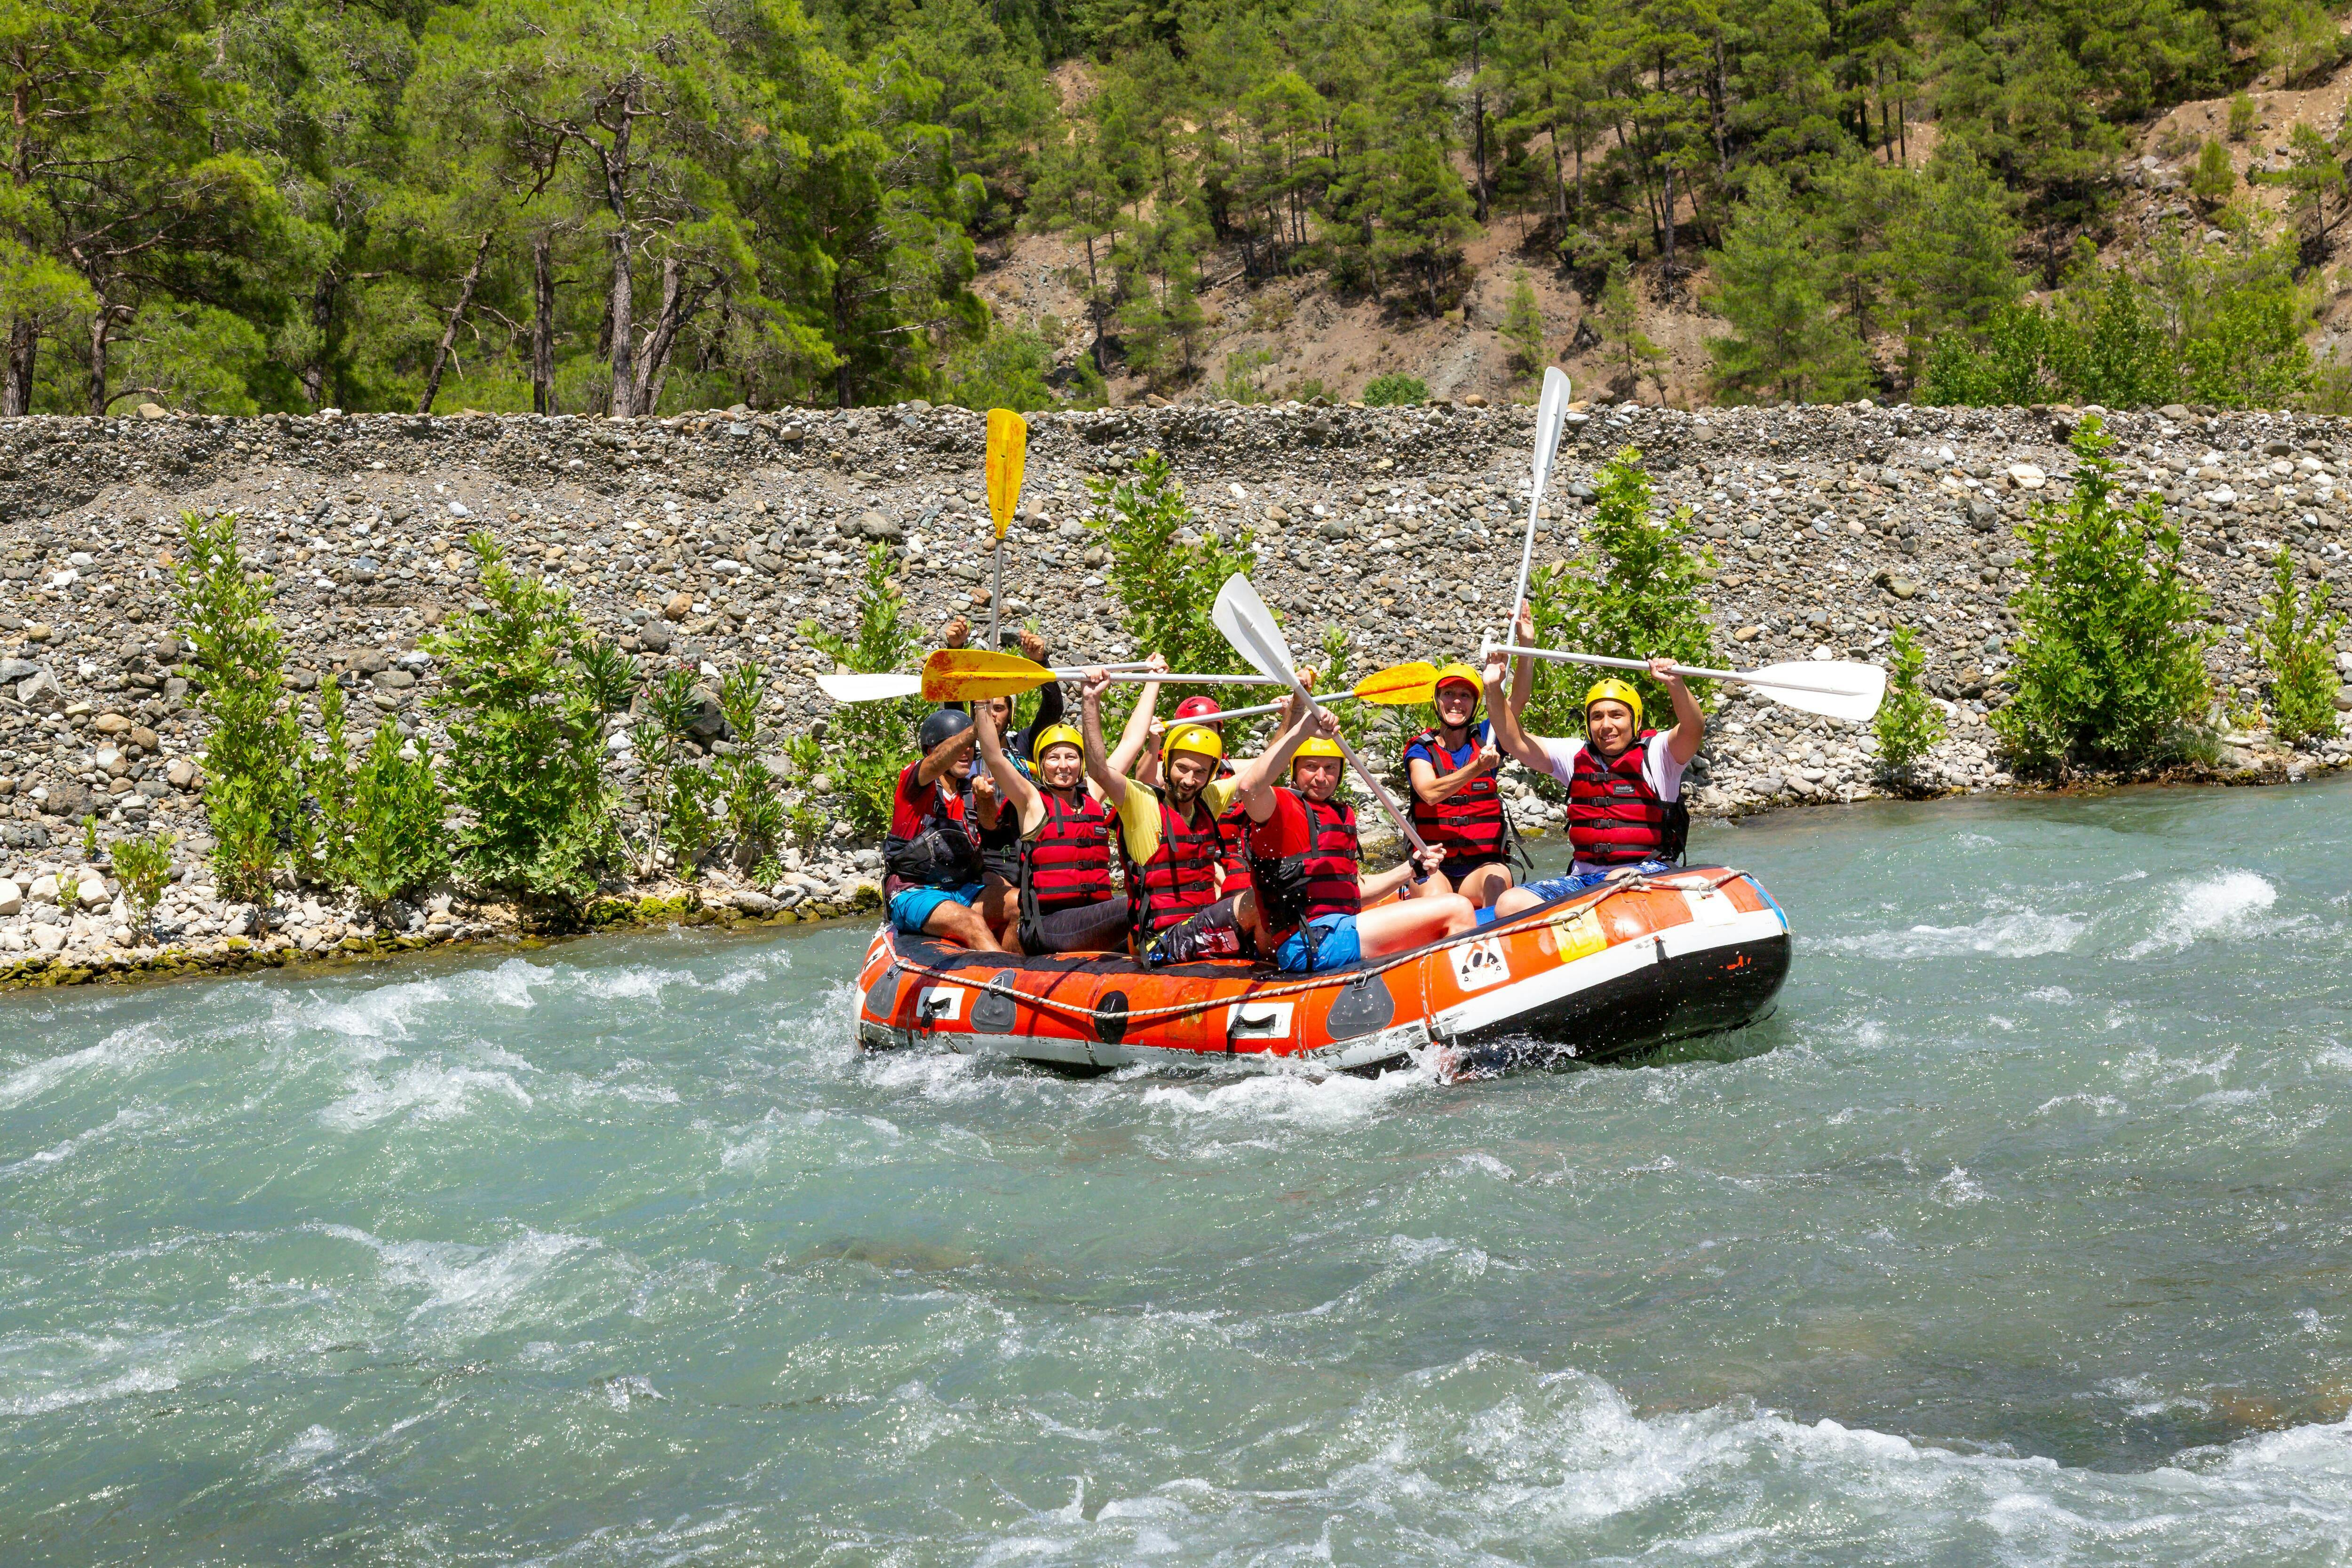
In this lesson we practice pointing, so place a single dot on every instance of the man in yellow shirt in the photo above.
(1173, 844)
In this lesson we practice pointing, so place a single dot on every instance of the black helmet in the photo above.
(941, 728)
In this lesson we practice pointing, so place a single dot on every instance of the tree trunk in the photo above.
(450, 333)
(1668, 250)
(616, 197)
(1478, 129)
(653, 359)
(542, 323)
(101, 328)
(16, 383)
(323, 316)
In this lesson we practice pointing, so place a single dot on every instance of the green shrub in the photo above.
(1523, 325)
(327, 783)
(660, 744)
(695, 819)
(1909, 724)
(754, 808)
(2214, 179)
(398, 843)
(143, 867)
(1166, 585)
(2242, 115)
(1005, 369)
(1637, 595)
(526, 738)
(1395, 389)
(2295, 640)
(868, 744)
(1239, 381)
(253, 755)
(2110, 666)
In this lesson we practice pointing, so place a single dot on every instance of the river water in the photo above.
(2020, 1234)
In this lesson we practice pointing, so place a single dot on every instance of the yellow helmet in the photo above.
(1197, 738)
(1612, 690)
(1315, 746)
(1054, 735)
(1462, 673)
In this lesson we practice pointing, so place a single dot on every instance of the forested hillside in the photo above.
(648, 204)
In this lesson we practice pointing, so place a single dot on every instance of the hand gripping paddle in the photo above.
(1249, 626)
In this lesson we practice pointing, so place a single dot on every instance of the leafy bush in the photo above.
(1636, 596)
(1239, 381)
(1005, 368)
(398, 843)
(526, 738)
(1166, 571)
(1909, 724)
(2242, 115)
(252, 758)
(1395, 389)
(2214, 179)
(327, 783)
(1523, 325)
(144, 866)
(660, 743)
(2295, 641)
(2110, 665)
(869, 744)
(754, 808)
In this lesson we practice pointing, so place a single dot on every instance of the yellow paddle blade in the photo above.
(1399, 685)
(970, 675)
(1008, 450)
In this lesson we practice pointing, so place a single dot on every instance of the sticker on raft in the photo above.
(1478, 965)
(940, 1004)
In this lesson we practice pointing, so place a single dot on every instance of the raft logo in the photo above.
(1478, 965)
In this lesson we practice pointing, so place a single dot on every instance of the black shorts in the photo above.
(1213, 933)
(1098, 927)
(1455, 869)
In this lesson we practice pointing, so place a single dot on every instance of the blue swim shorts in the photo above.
(910, 908)
(1328, 942)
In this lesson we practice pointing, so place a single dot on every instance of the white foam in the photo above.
(420, 1092)
(1295, 1098)
(129, 1119)
(119, 1051)
(2015, 933)
(467, 1288)
(2228, 905)
(138, 1380)
(315, 1443)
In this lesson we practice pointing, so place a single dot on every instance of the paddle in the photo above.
(1008, 450)
(968, 674)
(847, 687)
(1249, 626)
(1399, 685)
(1832, 688)
(1552, 416)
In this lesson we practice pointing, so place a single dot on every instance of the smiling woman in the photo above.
(2006, 1239)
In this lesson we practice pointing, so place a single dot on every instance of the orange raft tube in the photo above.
(1608, 973)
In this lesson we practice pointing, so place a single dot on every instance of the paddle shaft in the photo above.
(1685, 670)
(1379, 789)
(1263, 708)
(996, 595)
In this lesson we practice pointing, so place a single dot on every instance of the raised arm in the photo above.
(1018, 792)
(1109, 778)
(1257, 780)
(1523, 671)
(1137, 734)
(945, 758)
(1690, 724)
(1509, 736)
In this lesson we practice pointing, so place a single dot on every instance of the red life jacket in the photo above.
(930, 842)
(1615, 818)
(1296, 889)
(1467, 825)
(1067, 864)
(1181, 878)
(1235, 825)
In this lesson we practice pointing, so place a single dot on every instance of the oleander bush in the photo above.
(2295, 641)
(1909, 724)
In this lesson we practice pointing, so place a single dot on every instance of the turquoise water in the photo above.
(2019, 1235)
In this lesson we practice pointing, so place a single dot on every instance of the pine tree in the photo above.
(1785, 342)
(1523, 326)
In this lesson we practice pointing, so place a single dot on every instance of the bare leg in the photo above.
(1000, 905)
(1486, 883)
(960, 922)
(1394, 927)
(1515, 901)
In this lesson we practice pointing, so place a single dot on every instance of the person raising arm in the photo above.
(1066, 901)
(931, 873)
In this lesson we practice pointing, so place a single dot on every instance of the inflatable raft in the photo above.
(1607, 974)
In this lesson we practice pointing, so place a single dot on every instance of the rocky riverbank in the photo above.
(707, 540)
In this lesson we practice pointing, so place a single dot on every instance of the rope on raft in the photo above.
(1529, 922)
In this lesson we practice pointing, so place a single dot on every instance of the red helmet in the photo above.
(1198, 709)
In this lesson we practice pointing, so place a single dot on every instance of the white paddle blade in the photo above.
(1831, 688)
(1552, 418)
(1249, 626)
(869, 688)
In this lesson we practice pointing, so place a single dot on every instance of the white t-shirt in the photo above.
(1659, 770)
